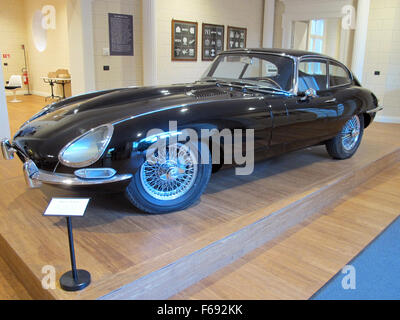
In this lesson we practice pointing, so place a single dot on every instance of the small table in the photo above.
(52, 81)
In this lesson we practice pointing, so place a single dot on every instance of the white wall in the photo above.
(236, 13)
(149, 45)
(360, 38)
(268, 24)
(278, 26)
(12, 36)
(80, 45)
(333, 28)
(56, 54)
(383, 54)
(300, 35)
(124, 70)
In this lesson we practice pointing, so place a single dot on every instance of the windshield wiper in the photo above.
(262, 88)
(209, 80)
(246, 85)
(254, 87)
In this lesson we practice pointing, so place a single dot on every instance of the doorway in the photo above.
(319, 35)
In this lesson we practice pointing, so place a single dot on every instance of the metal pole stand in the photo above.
(76, 279)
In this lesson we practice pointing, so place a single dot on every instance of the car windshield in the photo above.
(267, 71)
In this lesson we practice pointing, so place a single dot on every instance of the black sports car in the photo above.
(285, 99)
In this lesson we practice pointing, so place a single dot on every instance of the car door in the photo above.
(310, 118)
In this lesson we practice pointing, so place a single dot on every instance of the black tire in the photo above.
(335, 146)
(144, 201)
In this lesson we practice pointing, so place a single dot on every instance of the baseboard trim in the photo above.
(19, 93)
(387, 119)
(23, 92)
(40, 93)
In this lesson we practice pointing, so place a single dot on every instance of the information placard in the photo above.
(67, 207)
(121, 34)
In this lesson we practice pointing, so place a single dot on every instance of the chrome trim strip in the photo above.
(34, 177)
(296, 62)
(95, 173)
(377, 109)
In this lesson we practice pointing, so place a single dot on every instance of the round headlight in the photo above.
(88, 148)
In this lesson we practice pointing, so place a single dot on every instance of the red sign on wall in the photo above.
(6, 55)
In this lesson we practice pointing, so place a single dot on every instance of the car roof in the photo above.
(290, 52)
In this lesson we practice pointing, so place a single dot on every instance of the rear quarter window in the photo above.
(312, 75)
(338, 76)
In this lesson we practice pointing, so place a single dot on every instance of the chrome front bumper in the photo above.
(377, 109)
(7, 150)
(34, 177)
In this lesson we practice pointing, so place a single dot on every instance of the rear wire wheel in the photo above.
(346, 143)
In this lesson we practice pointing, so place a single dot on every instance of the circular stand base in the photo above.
(68, 283)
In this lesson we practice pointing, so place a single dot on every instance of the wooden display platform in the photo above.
(132, 255)
(296, 264)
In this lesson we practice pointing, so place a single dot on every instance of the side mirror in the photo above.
(308, 94)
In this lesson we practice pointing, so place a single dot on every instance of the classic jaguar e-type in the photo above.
(291, 99)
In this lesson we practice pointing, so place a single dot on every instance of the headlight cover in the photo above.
(86, 149)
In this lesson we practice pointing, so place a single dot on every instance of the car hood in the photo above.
(47, 132)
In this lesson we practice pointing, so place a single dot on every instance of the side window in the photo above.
(338, 76)
(312, 75)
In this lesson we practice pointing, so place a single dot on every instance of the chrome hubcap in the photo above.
(170, 174)
(351, 133)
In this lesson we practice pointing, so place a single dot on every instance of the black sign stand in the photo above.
(76, 279)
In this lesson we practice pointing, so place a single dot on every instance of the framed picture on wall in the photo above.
(236, 38)
(184, 40)
(213, 37)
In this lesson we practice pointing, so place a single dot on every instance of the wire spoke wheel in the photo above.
(169, 173)
(351, 133)
(345, 144)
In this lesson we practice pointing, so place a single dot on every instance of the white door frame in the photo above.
(4, 124)
(301, 10)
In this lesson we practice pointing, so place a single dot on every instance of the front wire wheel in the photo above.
(170, 179)
(169, 176)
